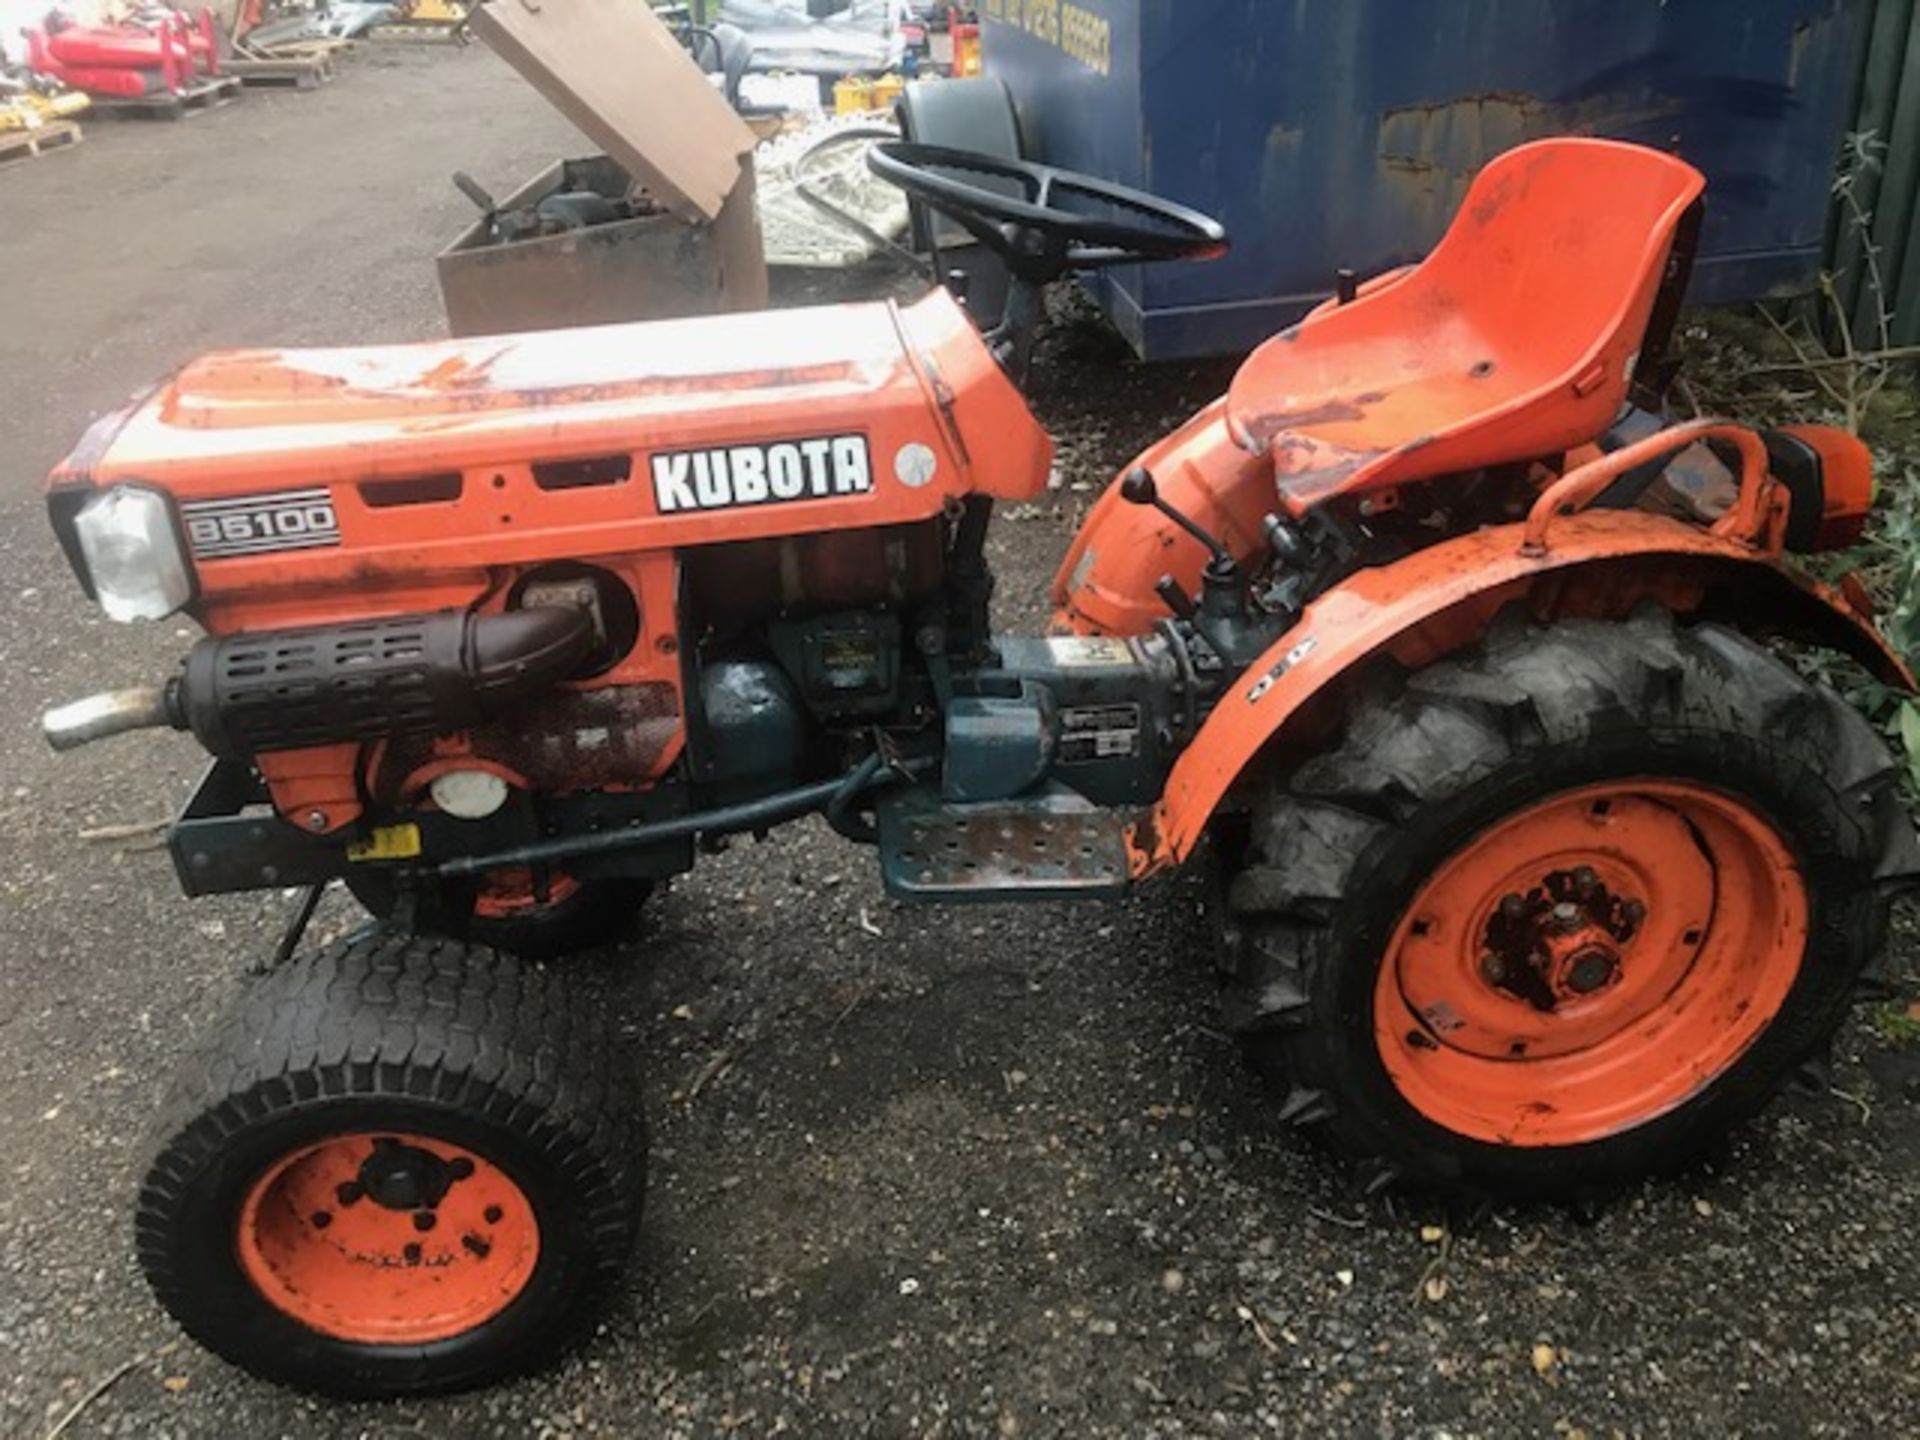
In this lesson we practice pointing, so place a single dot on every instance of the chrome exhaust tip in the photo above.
(112, 712)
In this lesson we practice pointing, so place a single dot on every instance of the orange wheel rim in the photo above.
(1590, 963)
(510, 894)
(387, 1239)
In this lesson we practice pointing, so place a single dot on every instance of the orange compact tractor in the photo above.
(1538, 869)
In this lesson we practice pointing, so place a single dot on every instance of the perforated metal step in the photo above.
(1056, 845)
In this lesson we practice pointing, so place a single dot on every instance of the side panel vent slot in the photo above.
(411, 490)
(582, 474)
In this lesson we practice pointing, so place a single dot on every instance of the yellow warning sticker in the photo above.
(387, 842)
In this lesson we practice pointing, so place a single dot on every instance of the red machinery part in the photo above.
(129, 59)
(94, 81)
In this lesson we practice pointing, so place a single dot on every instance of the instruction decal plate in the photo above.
(1098, 732)
(258, 524)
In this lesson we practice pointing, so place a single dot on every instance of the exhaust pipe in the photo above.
(112, 712)
(362, 680)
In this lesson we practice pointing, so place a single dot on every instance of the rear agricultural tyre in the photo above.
(396, 1166)
(1555, 913)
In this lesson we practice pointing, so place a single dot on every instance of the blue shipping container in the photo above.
(1330, 133)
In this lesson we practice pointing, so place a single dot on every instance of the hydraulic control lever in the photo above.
(1138, 487)
(1223, 592)
(1222, 617)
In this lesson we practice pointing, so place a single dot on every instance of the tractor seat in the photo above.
(1515, 339)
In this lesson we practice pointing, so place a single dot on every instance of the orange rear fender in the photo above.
(1601, 564)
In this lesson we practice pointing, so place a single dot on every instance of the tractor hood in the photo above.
(506, 449)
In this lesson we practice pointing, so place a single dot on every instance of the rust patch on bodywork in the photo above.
(1308, 470)
(610, 738)
(1264, 427)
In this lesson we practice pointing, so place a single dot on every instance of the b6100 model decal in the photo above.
(740, 475)
(254, 524)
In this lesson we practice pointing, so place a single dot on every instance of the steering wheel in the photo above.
(1056, 220)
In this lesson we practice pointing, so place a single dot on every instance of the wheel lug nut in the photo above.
(1584, 880)
(1493, 968)
(1566, 915)
(1513, 906)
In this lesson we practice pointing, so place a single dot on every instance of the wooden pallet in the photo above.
(430, 31)
(55, 135)
(198, 98)
(299, 49)
(280, 73)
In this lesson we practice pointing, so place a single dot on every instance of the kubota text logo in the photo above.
(738, 475)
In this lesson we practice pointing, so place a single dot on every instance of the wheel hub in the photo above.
(399, 1176)
(1563, 937)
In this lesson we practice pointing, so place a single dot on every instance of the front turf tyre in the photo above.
(397, 1166)
(1555, 913)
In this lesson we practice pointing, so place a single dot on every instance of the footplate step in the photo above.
(1056, 845)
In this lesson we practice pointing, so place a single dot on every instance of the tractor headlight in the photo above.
(132, 552)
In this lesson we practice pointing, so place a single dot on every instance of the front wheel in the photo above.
(398, 1165)
(1556, 913)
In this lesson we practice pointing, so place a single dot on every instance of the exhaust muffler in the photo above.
(241, 695)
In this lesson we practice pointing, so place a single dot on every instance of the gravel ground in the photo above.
(973, 1172)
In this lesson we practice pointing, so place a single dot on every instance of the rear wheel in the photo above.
(1556, 913)
(397, 1166)
(537, 918)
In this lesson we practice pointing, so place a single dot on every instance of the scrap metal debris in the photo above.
(820, 207)
(590, 193)
(865, 36)
(337, 20)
